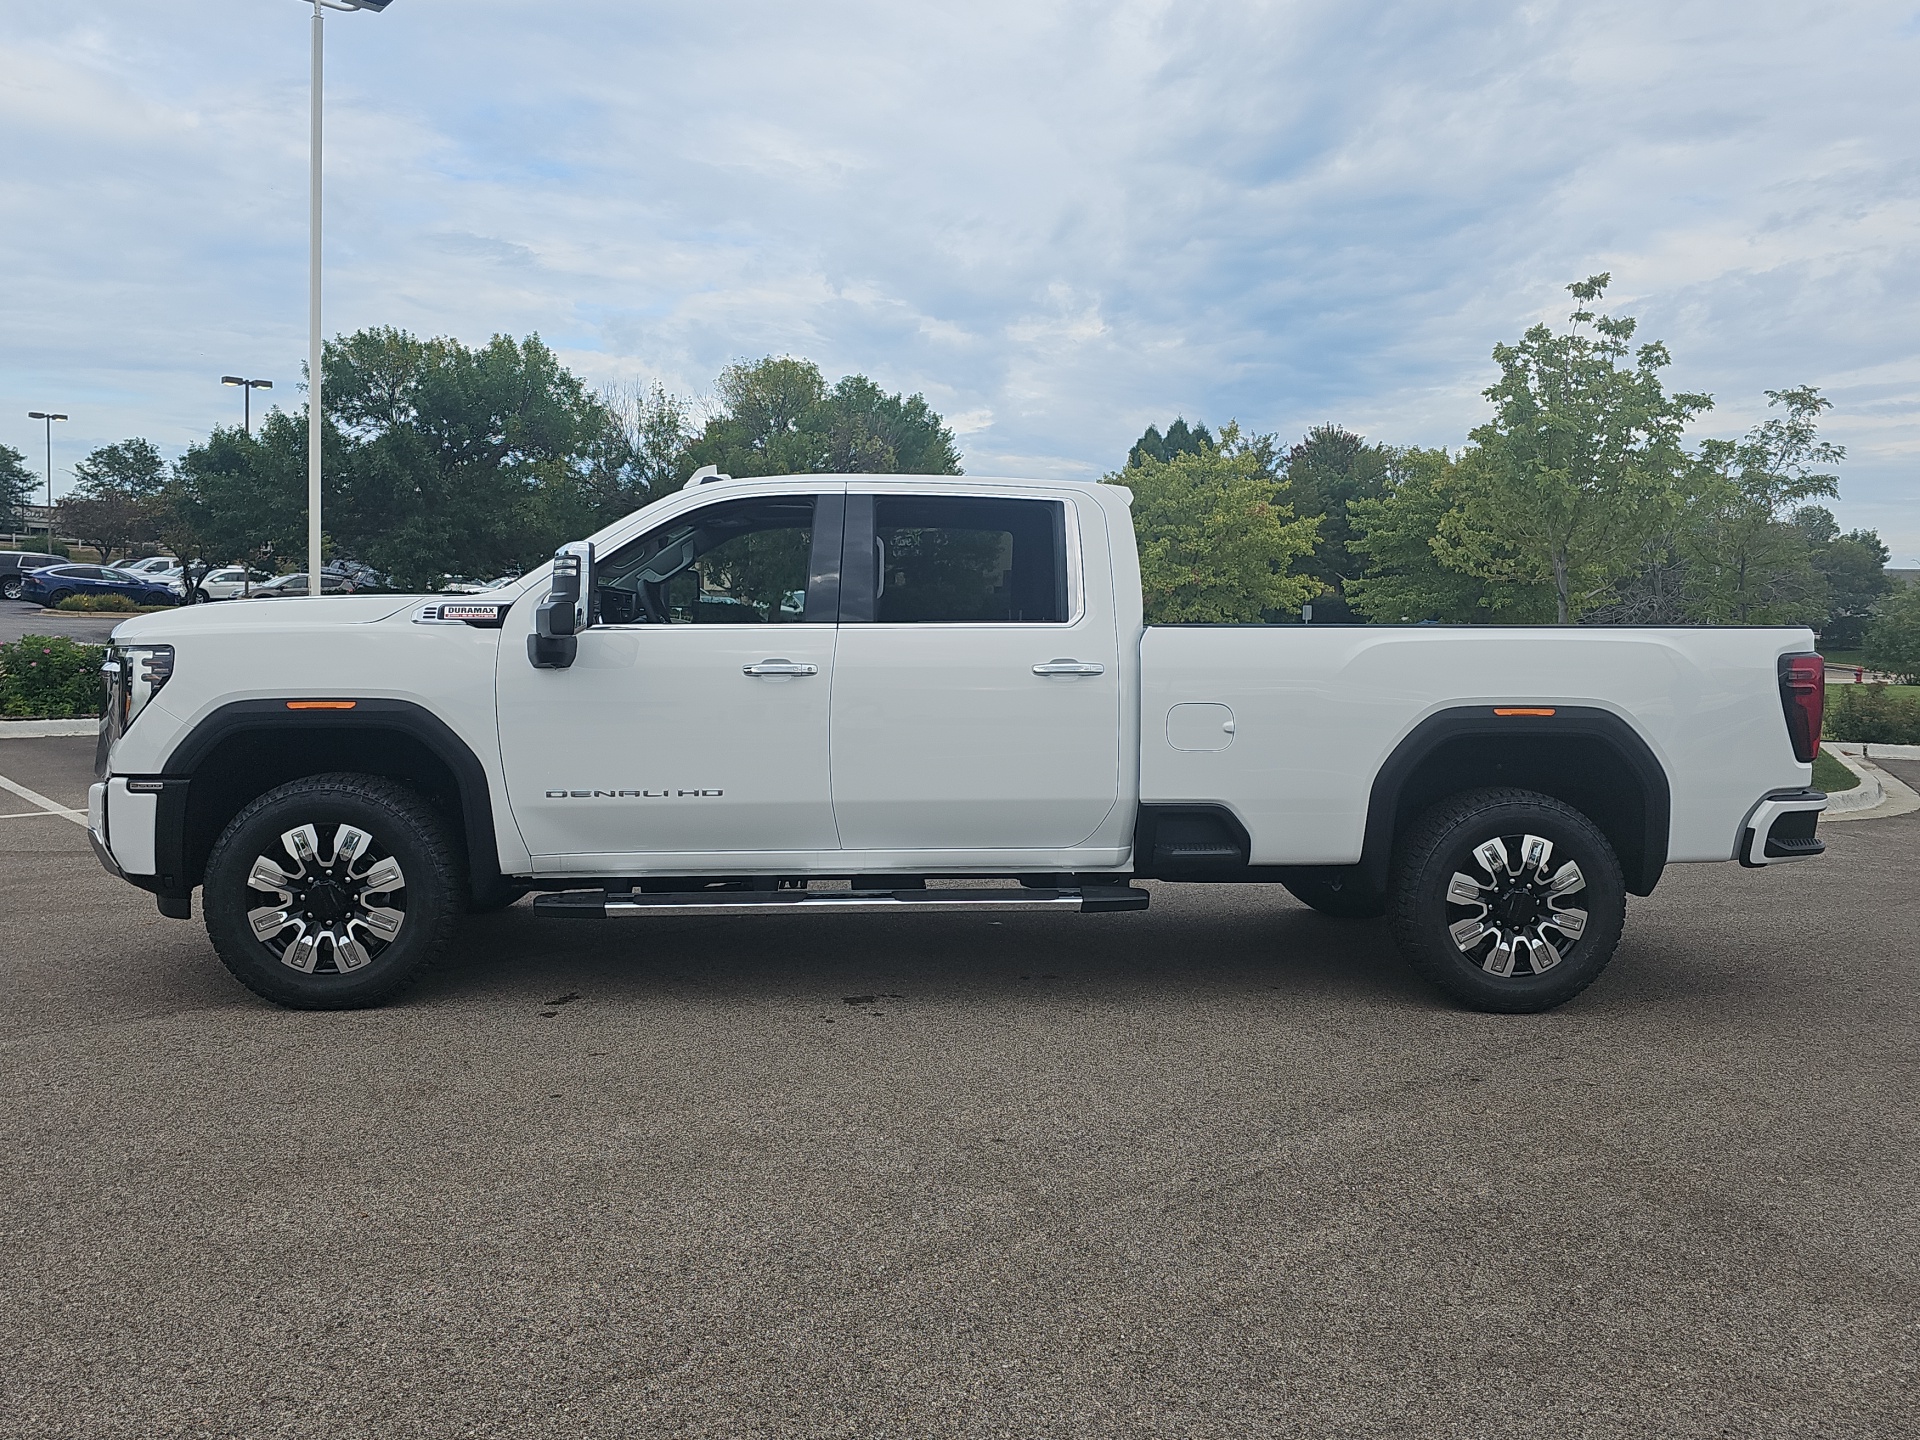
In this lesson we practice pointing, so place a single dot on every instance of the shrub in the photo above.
(1893, 636)
(1872, 714)
(117, 604)
(49, 677)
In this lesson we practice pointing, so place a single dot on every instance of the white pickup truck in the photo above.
(909, 695)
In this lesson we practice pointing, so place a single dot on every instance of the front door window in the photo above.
(742, 562)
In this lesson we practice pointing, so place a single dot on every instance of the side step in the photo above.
(598, 905)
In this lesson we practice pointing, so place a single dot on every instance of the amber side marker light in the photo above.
(321, 704)
(1522, 711)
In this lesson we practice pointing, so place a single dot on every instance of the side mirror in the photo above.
(567, 610)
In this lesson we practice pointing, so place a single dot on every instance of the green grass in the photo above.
(1830, 775)
(1911, 692)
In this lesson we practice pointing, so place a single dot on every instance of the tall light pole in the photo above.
(48, 416)
(247, 387)
(316, 423)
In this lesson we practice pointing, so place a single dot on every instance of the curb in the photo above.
(1890, 797)
(1867, 795)
(47, 729)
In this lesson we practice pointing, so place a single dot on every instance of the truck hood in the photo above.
(227, 617)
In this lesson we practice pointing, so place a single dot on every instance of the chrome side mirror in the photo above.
(567, 610)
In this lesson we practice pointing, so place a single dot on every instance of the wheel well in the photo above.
(1611, 779)
(244, 765)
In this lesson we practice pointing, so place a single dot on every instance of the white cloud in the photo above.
(1058, 220)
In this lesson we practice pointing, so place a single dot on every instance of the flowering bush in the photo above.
(114, 604)
(50, 677)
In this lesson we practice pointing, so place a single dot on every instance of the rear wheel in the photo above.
(56, 597)
(10, 587)
(1508, 900)
(333, 892)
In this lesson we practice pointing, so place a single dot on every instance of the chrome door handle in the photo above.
(1069, 667)
(779, 667)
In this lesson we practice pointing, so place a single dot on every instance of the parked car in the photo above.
(283, 586)
(15, 563)
(163, 567)
(51, 584)
(651, 728)
(229, 582)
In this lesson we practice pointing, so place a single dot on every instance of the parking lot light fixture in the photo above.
(49, 416)
(315, 413)
(247, 387)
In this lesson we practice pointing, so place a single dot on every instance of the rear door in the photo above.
(976, 697)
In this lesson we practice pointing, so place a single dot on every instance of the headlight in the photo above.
(135, 674)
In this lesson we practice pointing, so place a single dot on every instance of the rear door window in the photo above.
(954, 559)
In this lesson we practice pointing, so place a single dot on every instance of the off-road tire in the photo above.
(402, 825)
(1344, 897)
(1442, 843)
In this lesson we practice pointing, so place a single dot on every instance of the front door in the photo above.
(691, 730)
(976, 700)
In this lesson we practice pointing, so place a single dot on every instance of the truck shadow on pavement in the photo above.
(1175, 958)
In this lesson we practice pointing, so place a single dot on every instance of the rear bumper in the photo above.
(1781, 828)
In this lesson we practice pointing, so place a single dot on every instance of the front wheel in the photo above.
(10, 588)
(333, 892)
(200, 597)
(1508, 900)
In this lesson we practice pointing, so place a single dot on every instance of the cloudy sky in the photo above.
(1059, 221)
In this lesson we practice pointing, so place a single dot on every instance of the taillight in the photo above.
(1803, 695)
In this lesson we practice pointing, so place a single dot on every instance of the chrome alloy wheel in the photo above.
(1518, 910)
(342, 906)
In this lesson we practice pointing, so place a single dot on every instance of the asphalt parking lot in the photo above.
(18, 617)
(1221, 1169)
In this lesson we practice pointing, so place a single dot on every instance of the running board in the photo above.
(598, 905)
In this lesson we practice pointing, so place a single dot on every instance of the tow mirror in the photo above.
(567, 610)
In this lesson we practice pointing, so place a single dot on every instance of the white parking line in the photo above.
(47, 807)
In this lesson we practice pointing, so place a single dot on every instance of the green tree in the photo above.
(242, 499)
(127, 467)
(1394, 539)
(779, 417)
(16, 489)
(112, 506)
(1580, 465)
(1853, 567)
(1217, 545)
(1893, 636)
(1746, 563)
(446, 447)
(1180, 439)
(632, 458)
(1325, 473)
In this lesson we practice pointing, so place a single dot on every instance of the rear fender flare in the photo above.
(1644, 854)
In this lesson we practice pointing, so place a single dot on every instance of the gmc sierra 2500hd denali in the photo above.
(817, 693)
